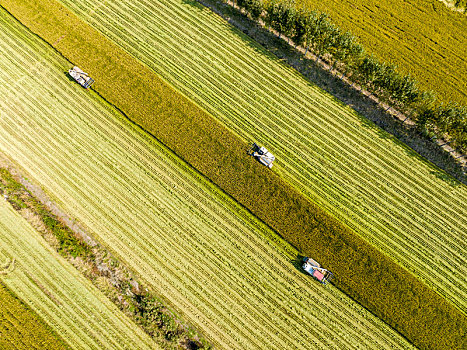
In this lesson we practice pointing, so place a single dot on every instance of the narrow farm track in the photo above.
(222, 269)
(377, 186)
(55, 290)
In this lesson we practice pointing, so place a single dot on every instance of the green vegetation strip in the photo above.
(21, 328)
(106, 273)
(424, 38)
(381, 189)
(214, 262)
(367, 275)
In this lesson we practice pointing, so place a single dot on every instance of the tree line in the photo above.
(315, 32)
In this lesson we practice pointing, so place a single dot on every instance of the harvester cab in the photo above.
(315, 269)
(81, 77)
(262, 155)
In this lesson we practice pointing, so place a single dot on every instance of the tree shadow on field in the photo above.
(370, 113)
(440, 174)
(194, 4)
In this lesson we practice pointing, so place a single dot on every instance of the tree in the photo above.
(254, 8)
(283, 17)
(342, 47)
(310, 19)
(320, 27)
(300, 28)
(356, 54)
(405, 89)
(274, 16)
(288, 19)
(270, 13)
(325, 39)
(241, 3)
(426, 118)
(369, 69)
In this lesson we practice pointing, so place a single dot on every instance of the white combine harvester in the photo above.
(262, 155)
(81, 77)
(315, 269)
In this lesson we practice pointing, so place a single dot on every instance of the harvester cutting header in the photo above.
(81, 77)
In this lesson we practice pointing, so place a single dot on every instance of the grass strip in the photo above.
(364, 273)
(15, 193)
(22, 328)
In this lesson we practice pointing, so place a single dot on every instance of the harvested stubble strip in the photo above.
(368, 276)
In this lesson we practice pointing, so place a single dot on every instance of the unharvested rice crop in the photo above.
(363, 272)
(218, 266)
(21, 328)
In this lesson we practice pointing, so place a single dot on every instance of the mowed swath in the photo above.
(219, 267)
(80, 314)
(380, 188)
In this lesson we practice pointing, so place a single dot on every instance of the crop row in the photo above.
(21, 328)
(184, 238)
(378, 187)
(363, 272)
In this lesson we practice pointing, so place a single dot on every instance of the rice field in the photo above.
(380, 188)
(211, 260)
(68, 303)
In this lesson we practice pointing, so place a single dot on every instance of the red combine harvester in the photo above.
(315, 269)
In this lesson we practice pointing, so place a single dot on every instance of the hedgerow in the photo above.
(363, 272)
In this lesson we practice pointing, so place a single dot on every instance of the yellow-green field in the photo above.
(423, 37)
(364, 273)
(221, 268)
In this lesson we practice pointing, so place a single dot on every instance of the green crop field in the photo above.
(221, 268)
(56, 291)
(20, 327)
(424, 38)
(383, 190)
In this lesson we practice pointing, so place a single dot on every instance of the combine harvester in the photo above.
(262, 155)
(81, 77)
(315, 269)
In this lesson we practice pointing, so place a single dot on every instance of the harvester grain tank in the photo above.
(315, 269)
(262, 155)
(81, 77)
